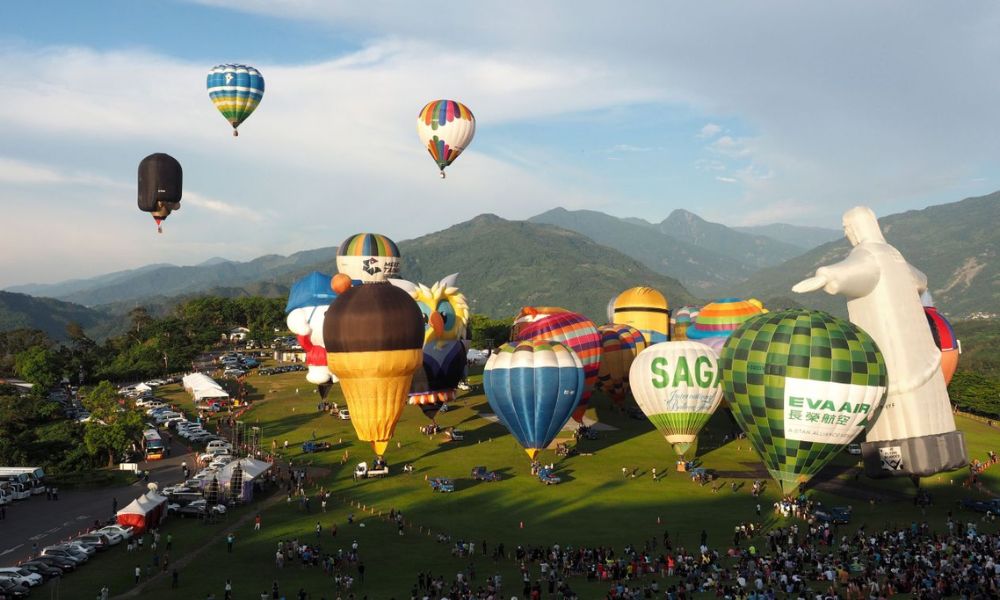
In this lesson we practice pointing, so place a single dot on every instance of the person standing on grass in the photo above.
(256, 522)
(229, 590)
(138, 574)
(229, 542)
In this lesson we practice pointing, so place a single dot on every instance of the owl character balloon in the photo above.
(446, 319)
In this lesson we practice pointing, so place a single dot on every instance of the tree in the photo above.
(39, 365)
(485, 329)
(112, 429)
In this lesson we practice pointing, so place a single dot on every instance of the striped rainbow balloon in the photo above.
(720, 318)
(573, 329)
(446, 128)
(235, 90)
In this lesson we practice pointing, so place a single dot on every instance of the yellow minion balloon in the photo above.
(374, 337)
(647, 310)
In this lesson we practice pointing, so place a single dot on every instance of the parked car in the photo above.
(481, 474)
(21, 575)
(983, 506)
(98, 541)
(344, 415)
(10, 589)
(311, 446)
(546, 477)
(60, 562)
(198, 508)
(442, 484)
(840, 515)
(854, 449)
(46, 570)
(116, 532)
(78, 557)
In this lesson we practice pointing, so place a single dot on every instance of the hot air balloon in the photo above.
(620, 344)
(374, 335)
(802, 385)
(308, 302)
(533, 387)
(160, 186)
(368, 258)
(645, 309)
(611, 309)
(573, 329)
(446, 318)
(716, 320)
(235, 90)
(445, 128)
(677, 386)
(944, 338)
(681, 320)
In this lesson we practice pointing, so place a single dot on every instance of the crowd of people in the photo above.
(812, 561)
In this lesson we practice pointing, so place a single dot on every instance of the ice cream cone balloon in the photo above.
(374, 342)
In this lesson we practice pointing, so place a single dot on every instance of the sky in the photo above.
(744, 113)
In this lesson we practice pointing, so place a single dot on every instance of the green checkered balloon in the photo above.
(802, 385)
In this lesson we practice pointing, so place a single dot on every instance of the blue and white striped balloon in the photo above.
(533, 387)
(235, 90)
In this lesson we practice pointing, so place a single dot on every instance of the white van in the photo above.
(216, 445)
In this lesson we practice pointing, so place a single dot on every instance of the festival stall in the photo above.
(144, 513)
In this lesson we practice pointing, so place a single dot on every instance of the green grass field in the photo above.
(594, 505)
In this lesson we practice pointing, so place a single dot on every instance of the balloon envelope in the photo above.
(533, 387)
(235, 90)
(573, 329)
(374, 336)
(677, 386)
(720, 318)
(446, 128)
(647, 310)
(945, 340)
(620, 344)
(802, 385)
(681, 320)
(368, 258)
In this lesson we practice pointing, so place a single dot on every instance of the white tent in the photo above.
(202, 386)
(252, 468)
(142, 388)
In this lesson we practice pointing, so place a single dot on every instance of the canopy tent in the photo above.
(142, 388)
(202, 386)
(251, 469)
(144, 513)
(210, 393)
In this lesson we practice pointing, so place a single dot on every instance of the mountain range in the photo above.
(577, 259)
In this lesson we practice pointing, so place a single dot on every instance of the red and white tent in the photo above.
(145, 512)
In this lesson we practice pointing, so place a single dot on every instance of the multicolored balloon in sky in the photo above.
(677, 386)
(446, 128)
(573, 329)
(533, 387)
(374, 336)
(235, 90)
(368, 258)
(620, 344)
(802, 385)
(647, 310)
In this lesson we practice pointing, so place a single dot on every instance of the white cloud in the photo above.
(710, 130)
(727, 179)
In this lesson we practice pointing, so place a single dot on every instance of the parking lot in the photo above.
(40, 522)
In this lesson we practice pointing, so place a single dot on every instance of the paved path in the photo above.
(41, 522)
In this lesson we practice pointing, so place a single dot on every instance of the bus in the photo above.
(33, 478)
(152, 445)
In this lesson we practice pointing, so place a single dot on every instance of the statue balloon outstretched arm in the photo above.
(853, 277)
